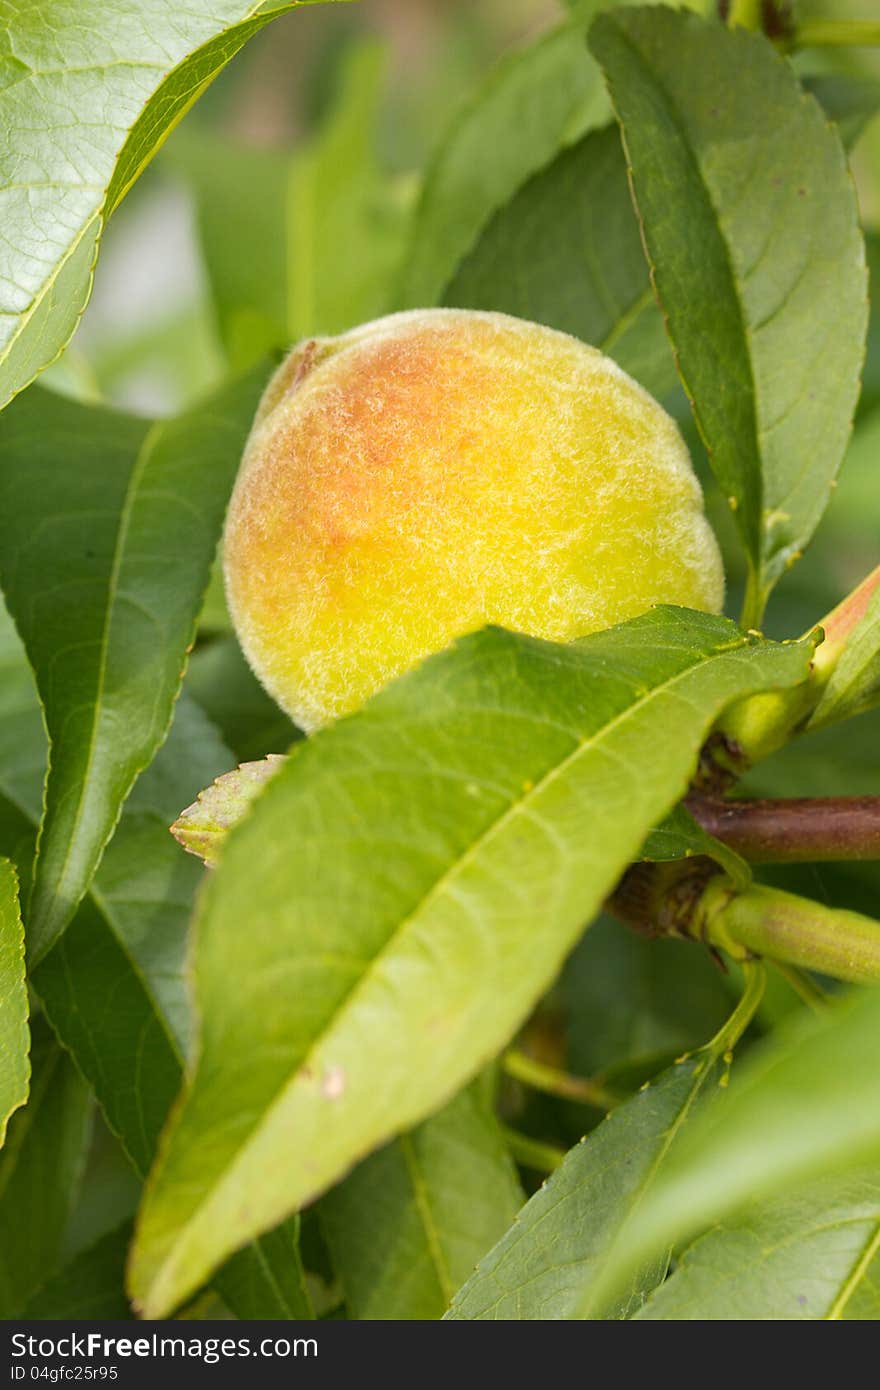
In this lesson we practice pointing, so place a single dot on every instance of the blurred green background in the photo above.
(325, 98)
(398, 70)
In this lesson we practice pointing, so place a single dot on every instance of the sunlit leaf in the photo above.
(14, 1032)
(393, 876)
(88, 92)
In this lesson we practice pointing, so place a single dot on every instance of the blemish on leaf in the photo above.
(333, 1084)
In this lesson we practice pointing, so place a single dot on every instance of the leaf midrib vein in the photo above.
(860, 1269)
(426, 1216)
(144, 455)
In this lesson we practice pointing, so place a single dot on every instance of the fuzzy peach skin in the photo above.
(439, 470)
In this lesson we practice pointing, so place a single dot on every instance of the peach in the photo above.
(438, 470)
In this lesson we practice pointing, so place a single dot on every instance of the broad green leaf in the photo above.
(566, 251)
(534, 103)
(90, 1286)
(751, 226)
(114, 985)
(637, 1003)
(304, 243)
(851, 102)
(411, 1222)
(40, 1168)
(413, 878)
(22, 738)
(109, 526)
(203, 827)
(108, 1194)
(267, 1279)
(813, 1256)
(805, 1105)
(855, 681)
(540, 1267)
(88, 93)
(220, 680)
(14, 1031)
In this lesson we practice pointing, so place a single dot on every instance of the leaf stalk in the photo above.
(557, 1083)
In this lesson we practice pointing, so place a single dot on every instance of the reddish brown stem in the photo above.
(812, 830)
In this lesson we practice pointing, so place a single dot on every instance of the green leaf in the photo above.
(88, 93)
(90, 1286)
(805, 1105)
(109, 526)
(267, 1279)
(40, 1169)
(302, 244)
(22, 738)
(410, 1223)
(392, 877)
(203, 827)
(566, 251)
(114, 986)
(813, 1256)
(541, 1266)
(14, 1031)
(637, 1003)
(751, 227)
(535, 102)
(851, 102)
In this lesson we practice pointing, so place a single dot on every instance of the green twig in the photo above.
(746, 13)
(837, 33)
(690, 898)
(767, 922)
(557, 1083)
(807, 830)
(754, 602)
(533, 1153)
